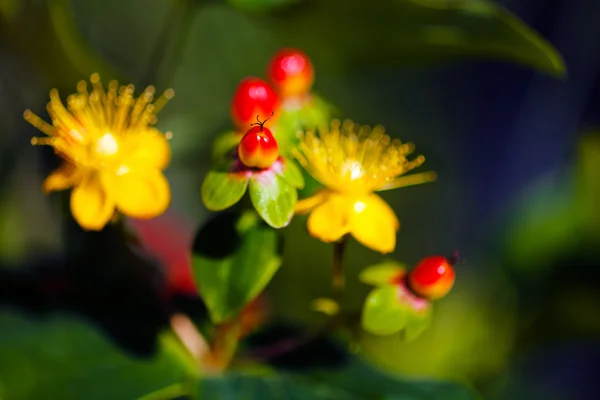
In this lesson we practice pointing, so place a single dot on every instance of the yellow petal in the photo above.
(141, 193)
(63, 177)
(148, 148)
(91, 204)
(305, 205)
(374, 224)
(331, 220)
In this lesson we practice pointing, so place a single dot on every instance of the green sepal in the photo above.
(417, 323)
(383, 313)
(234, 258)
(222, 188)
(381, 273)
(273, 198)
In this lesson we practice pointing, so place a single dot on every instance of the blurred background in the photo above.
(514, 143)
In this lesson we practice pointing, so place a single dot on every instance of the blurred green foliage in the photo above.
(62, 357)
(202, 49)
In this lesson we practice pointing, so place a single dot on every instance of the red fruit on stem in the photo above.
(252, 97)
(291, 72)
(258, 148)
(433, 277)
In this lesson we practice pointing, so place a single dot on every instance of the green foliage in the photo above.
(558, 213)
(234, 258)
(354, 381)
(273, 197)
(381, 274)
(261, 5)
(222, 188)
(414, 32)
(60, 357)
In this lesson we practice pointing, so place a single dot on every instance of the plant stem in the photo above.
(338, 273)
(190, 337)
(224, 346)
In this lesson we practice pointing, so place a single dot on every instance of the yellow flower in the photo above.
(353, 162)
(113, 157)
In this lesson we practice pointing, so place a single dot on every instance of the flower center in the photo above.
(105, 146)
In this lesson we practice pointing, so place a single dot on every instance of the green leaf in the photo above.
(261, 5)
(364, 381)
(63, 357)
(383, 314)
(222, 188)
(266, 387)
(354, 380)
(273, 198)
(234, 258)
(291, 173)
(382, 273)
(412, 32)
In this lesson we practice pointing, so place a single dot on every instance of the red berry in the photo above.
(258, 148)
(433, 277)
(253, 97)
(292, 72)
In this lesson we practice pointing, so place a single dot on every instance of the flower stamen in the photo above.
(350, 158)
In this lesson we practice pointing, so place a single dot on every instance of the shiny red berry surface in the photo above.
(253, 97)
(433, 277)
(258, 148)
(291, 72)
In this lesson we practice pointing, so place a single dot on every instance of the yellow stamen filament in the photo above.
(90, 129)
(351, 158)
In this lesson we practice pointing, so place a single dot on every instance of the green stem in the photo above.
(338, 281)
(224, 346)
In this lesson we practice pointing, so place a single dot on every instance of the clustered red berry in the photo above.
(253, 97)
(432, 278)
(258, 148)
(292, 74)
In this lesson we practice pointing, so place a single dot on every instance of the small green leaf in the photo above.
(234, 258)
(382, 273)
(224, 145)
(416, 324)
(383, 314)
(222, 188)
(291, 173)
(273, 198)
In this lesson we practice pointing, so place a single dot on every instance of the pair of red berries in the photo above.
(432, 278)
(292, 74)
